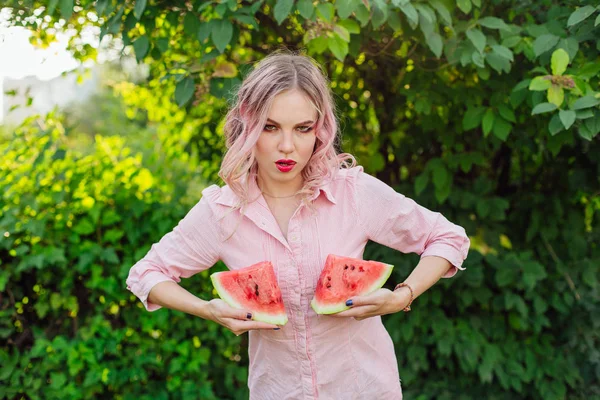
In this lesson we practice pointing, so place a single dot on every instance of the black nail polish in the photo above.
(276, 329)
(249, 316)
(349, 303)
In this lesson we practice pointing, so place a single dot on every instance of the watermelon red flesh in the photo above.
(345, 277)
(254, 289)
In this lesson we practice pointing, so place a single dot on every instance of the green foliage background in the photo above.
(485, 111)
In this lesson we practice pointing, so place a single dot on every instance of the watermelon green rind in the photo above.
(280, 319)
(336, 308)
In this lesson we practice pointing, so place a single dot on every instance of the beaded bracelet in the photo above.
(412, 295)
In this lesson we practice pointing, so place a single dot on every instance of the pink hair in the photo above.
(278, 72)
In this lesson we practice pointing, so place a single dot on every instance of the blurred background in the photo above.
(111, 125)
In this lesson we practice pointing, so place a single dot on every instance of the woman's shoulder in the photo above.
(215, 194)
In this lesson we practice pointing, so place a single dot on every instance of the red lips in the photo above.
(285, 162)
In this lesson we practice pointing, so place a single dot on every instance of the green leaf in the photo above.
(511, 42)
(66, 9)
(140, 6)
(585, 102)
(222, 32)
(306, 8)
(488, 122)
(464, 5)
(597, 22)
(380, 14)
(570, 45)
(477, 38)
(338, 47)
(555, 126)
(507, 113)
(319, 44)
(543, 108)
(593, 125)
(363, 15)
(326, 11)
(540, 83)
(350, 25)
(442, 11)
(501, 128)
(184, 91)
(434, 41)
(205, 28)
(141, 46)
(556, 95)
(191, 24)
(567, 117)
(544, 43)
(498, 63)
(411, 14)
(493, 23)
(478, 59)
(421, 183)
(503, 52)
(84, 227)
(580, 14)
(584, 114)
(282, 9)
(560, 60)
(441, 176)
(472, 118)
(394, 21)
(342, 32)
(345, 8)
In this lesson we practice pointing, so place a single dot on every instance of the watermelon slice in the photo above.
(344, 277)
(254, 289)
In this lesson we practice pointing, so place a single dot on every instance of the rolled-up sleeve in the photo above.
(396, 221)
(191, 247)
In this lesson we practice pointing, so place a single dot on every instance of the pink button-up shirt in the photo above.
(312, 356)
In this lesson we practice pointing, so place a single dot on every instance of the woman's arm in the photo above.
(171, 295)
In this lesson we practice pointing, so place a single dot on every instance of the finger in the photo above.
(356, 311)
(236, 324)
(371, 299)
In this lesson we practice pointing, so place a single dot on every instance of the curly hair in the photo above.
(278, 72)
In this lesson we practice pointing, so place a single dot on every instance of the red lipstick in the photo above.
(285, 165)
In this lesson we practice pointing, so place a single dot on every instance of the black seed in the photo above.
(353, 267)
(256, 289)
(345, 267)
(328, 285)
(328, 278)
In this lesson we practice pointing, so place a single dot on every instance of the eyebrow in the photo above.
(300, 123)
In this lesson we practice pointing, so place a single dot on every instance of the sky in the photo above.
(19, 58)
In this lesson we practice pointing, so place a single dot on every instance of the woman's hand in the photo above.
(380, 302)
(237, 321)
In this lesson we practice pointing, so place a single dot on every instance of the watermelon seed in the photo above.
(345, 267)
(361, 269)
(328, 278)
(328, 285)
(256, 289)
(353, 268)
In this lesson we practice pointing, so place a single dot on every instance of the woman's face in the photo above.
(287, 141)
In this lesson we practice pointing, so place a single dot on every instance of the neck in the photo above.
(277, 189)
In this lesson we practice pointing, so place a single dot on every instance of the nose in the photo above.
(286, 144)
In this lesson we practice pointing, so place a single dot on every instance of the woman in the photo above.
(292, 200)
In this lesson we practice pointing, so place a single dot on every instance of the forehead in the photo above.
(292, 106)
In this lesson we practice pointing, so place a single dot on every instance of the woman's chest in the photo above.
(299, 257)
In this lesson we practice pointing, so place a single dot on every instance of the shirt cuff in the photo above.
(142, 288)
(450, 253)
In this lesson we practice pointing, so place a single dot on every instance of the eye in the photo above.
(268, 128)
(305, 129)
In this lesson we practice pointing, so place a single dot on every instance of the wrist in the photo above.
(405, 295)
(200, 309)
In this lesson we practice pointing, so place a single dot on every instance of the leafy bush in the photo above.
(73, 225)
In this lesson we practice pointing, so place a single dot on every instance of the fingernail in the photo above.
(349, 303)
(249, 316)
(276, 329)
